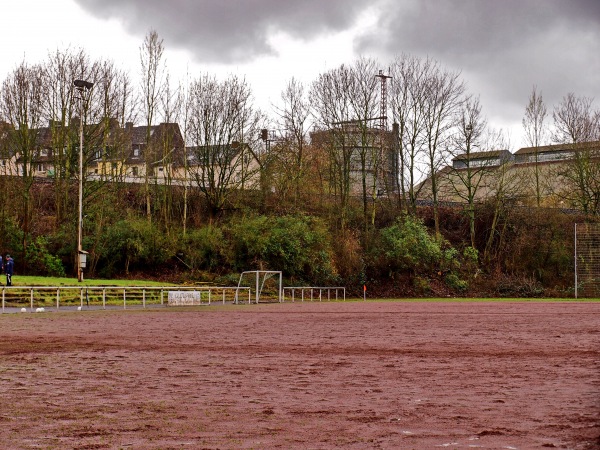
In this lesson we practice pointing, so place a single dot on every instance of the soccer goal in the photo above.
(587, 260)
(268, 285)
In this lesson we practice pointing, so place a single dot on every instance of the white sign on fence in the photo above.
(184, 298)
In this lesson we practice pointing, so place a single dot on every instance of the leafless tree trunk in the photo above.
(366, 110)
(577, 123)
(171, 145)
(293, 115)
(444, 92)
(535, 132)
(151, 53)
(22, 106)
(224, 129)
(332, 109)
(409, 100)
(468, 139)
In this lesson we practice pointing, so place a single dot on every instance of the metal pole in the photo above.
(280, 287)
(80, 218)
(82, 86)
(575, 260)
(257, 292)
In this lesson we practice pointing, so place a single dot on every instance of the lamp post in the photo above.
(82, 86)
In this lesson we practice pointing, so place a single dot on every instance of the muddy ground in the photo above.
(312, 376)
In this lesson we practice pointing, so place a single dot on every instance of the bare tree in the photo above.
(332, 109)
(223, 128)
(293, 116)
(443, 98)
(22, 106)
(575, 120)
(60, 108)
(345, 102)
(467, 141)
(366, 108)
(535, 133)
(504, 185)
(152, 67)
(171, 143)
(408, 100)
(577, 124)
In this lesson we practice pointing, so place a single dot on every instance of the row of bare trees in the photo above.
(323, 140)
(576, 126)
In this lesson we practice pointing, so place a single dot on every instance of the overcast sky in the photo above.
(502, 47)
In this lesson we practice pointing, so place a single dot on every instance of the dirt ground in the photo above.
(351, 375)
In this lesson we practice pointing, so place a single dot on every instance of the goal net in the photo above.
(267, 285)
(587, 260)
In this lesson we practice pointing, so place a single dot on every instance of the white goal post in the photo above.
(260, 278)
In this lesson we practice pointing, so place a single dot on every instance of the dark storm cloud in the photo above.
(502, 47)
(227, 30)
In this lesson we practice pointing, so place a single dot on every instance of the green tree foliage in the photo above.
(408, 246)
(133, 243)
(203, 248)
(41, 261)
(300, 246)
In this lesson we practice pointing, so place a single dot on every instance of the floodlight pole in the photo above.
(82, 86)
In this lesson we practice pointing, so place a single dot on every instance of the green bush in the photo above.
(133, 244)
(40, 261)
(300, 246)
(453, 281)
(203, 248)
(407, 245)
(422, 285)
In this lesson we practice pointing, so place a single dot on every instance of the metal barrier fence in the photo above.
(112, 296)
(312, 290)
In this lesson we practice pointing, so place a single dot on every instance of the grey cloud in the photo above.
(227, 30)
(502, 47)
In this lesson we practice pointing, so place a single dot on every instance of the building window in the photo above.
(136, 152)
(134, 171)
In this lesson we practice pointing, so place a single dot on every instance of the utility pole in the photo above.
(382, 131)
(82, 86)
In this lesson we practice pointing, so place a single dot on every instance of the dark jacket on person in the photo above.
(8, 266)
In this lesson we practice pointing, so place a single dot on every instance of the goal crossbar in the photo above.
(260, 283)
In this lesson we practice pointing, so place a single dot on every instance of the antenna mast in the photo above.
(383, 105)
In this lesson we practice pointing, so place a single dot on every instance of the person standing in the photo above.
(8, 269)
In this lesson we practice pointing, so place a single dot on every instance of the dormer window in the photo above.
(136, 152)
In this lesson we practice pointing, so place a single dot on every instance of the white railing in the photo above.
(112, 296)
(312, 290)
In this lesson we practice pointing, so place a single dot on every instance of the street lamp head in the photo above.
(82, 84)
